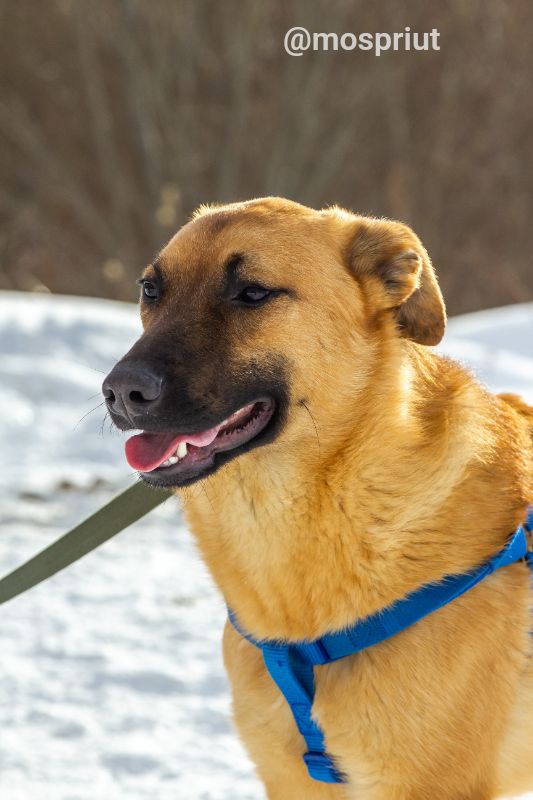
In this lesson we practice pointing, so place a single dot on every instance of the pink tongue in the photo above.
(147, 451)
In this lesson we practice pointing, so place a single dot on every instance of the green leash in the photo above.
(105, 523)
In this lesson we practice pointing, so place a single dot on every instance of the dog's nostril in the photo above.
(137, 397)
(109, 394)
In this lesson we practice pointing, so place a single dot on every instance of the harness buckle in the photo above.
(321, 768)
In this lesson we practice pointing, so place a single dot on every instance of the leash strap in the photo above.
(109, 520)
(291, 664)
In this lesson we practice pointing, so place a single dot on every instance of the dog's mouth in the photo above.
(173, 459)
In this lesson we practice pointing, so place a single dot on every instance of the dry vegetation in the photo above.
(118, 117)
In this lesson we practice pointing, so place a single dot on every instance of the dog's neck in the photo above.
(300, 545)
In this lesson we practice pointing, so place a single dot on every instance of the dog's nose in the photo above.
(130, 390)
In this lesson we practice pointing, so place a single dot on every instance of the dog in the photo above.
(330, 462)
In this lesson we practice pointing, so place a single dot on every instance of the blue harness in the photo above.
(291, 664)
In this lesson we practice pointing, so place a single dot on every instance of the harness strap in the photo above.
(295, 677)
(290, 664)
(528, 528)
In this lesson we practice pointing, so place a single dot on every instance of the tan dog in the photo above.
(338, 465)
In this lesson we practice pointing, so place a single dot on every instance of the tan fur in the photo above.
(394, 469)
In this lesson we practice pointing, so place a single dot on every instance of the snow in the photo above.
(111, 672)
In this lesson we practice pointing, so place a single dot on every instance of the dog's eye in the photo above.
(253, 295)
(149, 289)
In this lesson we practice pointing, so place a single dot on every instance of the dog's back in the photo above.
(516, 402)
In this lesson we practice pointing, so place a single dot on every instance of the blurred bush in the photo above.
(118, 117)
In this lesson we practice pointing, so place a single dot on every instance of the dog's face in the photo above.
(262, 320)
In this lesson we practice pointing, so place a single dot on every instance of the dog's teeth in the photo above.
(171, 460)
(182, 450)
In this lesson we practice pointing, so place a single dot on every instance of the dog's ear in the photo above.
(390, 256)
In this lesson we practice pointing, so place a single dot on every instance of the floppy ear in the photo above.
(389, 255)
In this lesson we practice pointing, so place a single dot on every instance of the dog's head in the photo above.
(262, 321)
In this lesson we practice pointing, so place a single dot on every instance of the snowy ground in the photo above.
(111, 677)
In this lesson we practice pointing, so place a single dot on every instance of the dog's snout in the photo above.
(131, 389)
